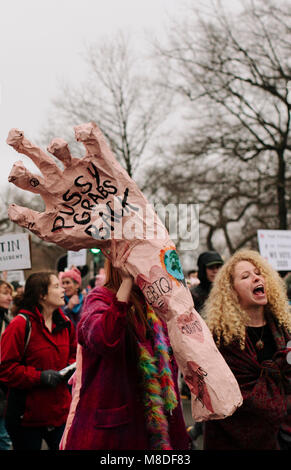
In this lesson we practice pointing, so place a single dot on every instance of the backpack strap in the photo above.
(27, 330)
(4, 322)
(2, 326)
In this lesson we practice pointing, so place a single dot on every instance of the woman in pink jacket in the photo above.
(128, 398)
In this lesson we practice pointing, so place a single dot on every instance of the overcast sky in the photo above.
(41, 43)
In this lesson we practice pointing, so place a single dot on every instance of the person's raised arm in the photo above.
(124, 290)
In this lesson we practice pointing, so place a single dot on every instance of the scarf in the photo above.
(159, 390)
(77, 307)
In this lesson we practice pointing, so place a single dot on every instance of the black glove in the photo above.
(51, 378)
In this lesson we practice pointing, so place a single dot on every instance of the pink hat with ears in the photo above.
(72, 273)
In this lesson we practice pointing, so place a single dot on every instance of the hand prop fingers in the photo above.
(60, 149)
(43, 161)
(87, 134)
(22, 178)
(96, 146)
(14, 139)
(24, 217)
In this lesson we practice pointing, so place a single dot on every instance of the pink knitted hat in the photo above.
(72, 273)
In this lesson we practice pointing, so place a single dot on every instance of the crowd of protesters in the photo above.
(246, 305)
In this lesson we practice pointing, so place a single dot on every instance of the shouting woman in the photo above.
(248, 313)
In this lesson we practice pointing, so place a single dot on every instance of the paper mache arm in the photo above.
(93, 202)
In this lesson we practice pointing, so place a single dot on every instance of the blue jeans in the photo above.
(5, 441)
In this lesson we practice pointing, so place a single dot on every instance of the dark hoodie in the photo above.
(201, 292)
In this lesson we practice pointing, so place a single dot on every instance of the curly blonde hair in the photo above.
(222, 312)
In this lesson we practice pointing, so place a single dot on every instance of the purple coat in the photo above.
(109, 414)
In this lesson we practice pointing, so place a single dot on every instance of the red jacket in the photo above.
(109, 413)
(42, 406)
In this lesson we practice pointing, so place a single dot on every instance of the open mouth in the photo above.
(259, 290)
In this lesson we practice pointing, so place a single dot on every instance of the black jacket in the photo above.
(201, 292)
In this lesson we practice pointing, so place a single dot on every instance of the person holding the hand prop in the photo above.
(128, 398)
(37, 344)
(71, 281)
(248, 314)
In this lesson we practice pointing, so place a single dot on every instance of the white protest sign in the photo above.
(275, 247)
(77, 258)
(14, 252)
(17, 275)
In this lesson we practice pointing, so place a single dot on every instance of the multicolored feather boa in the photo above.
(159, 389)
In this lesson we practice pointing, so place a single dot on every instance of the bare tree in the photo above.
(119, 95)
(234, 74)
(232, 200)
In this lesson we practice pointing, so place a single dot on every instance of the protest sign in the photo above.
(17, 275)
(77, 258)
(14, 252)
(275, 247)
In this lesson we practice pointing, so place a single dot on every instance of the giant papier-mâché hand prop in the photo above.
(94, 203)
